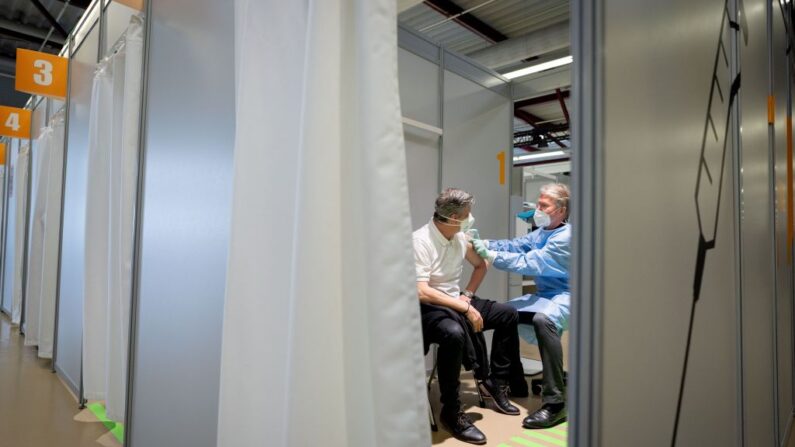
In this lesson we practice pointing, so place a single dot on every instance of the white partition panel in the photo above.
(70, 288)
(660, 108)
(184, 234)
(758, 265)
(476, 129)
(32, 304)
(419, 101)
(8, 256)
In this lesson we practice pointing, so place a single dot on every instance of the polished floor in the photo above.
(36, 410)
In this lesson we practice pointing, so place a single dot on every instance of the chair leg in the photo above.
(481, 401)
(431, 417)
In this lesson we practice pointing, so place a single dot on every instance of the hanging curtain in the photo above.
(20, 217)
(112, 185)
(321, 315)
(44, 238)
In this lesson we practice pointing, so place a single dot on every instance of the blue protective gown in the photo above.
(543, 254)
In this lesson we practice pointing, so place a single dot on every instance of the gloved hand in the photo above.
(472, 234)
(482, 249)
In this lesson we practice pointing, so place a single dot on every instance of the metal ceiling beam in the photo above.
(534, 44)
(25, 32)
(541, 99)
(53, 22)
(563, 105)
(472, 23)
(534, 121)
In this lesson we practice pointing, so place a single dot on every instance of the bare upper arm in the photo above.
(473, 257)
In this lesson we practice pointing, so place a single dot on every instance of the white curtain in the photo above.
(322, 339)
(20, 216)
(112, 184)
(44, 238)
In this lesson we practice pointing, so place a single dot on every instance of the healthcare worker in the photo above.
(544, 315)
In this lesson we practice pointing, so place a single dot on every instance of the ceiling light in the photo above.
(539, 155)
(539, 67)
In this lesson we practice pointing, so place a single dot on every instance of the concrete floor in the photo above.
(36, 410)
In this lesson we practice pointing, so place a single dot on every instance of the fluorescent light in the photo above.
(539, 67)
(549, 154)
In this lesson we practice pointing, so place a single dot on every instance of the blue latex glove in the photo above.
(472, 234)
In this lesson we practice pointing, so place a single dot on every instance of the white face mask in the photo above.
(541, 219)
(466, 224)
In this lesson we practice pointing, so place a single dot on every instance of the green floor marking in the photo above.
(115, 428)
(543, 437)
(558, 431)
(503, 445)
(525, 442)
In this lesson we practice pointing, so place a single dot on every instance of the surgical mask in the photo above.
(466, 224)
(541, 219)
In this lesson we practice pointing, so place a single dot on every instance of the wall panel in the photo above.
(70, 287)
(188, 145)
(657, 96)
(476, 129)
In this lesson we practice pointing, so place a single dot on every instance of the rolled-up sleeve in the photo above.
(422, 260)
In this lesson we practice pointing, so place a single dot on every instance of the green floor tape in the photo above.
(525, 442)
(116, 428)
(540, 435)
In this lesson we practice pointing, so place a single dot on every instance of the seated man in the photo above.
(454, 319)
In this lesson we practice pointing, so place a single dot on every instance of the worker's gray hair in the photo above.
(452, 201)
(559, 192)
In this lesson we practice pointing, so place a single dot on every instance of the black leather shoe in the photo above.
(459, 425)
(545, 418)
(499, 395)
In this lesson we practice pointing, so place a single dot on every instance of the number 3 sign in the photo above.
(41, 73)
(14, 123)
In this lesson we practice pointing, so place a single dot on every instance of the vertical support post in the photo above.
(737, 188)
(138, 225)
(587, 44)
(4, 228)
(771, 168)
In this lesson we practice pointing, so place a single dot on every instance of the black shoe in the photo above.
(500, 397)
(545, 417)
(459, 425)
(518, 388)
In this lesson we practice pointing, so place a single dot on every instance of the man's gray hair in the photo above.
(559, 192)
(452, 201)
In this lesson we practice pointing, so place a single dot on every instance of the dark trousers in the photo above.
(451, 338)
(551, 356)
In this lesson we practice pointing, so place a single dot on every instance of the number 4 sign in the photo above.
(14, 123)
(41, 73)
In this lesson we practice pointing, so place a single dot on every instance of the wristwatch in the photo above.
(468, 293)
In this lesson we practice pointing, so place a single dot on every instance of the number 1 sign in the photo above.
(41, 73)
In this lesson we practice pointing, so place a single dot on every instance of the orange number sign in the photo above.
(41, 73)
(14, 122)
(501, 158)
